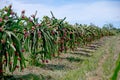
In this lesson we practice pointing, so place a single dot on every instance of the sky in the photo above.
(98, 12)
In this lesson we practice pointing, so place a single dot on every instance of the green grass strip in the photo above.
(117, 69)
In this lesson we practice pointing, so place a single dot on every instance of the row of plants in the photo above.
(39, 40)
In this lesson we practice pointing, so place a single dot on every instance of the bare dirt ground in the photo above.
(98, 74)
(58, 67)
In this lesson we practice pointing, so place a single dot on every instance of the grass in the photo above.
(73, 59)
(79, 65)
(90, 64)
(108, 65)
(24, 77)
(117, 69)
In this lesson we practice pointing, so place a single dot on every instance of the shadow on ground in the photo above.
(83, 54)
(74, 59)
(54, 67)
(27, 77)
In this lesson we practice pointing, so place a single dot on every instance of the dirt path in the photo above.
(59, 67)
(98, 74)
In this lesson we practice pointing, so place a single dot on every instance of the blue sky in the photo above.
(98, 12)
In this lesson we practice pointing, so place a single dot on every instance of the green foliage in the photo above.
(73, 59)
(10, 45)
(41, 40)
(117, 69)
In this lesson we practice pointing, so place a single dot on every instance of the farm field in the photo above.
(93, 62)
(54, 49)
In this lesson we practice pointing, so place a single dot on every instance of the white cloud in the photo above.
(97, 12)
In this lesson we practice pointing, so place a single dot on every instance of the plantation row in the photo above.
(40, 41)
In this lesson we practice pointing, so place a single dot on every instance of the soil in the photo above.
(58, 67)
(98, 74)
